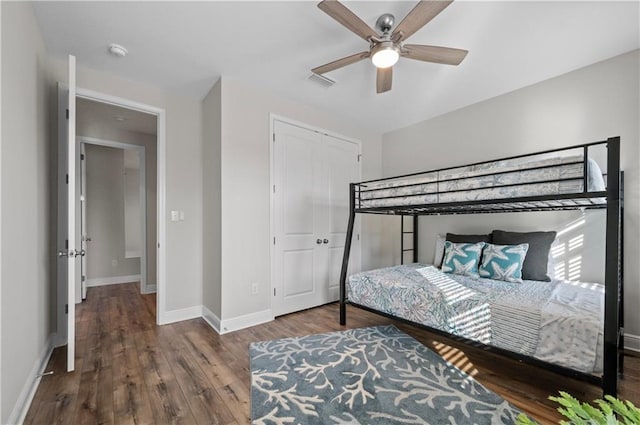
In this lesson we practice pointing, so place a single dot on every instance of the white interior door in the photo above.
(67, 202)
(311, 175)
(343, 167)
(298, 178)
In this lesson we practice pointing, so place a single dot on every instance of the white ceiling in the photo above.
(92, 113)
(186, 46)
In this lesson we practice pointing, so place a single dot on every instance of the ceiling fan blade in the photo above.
(445, 55)
(347, 18)
(340, 63)
(419, 16)
(384, 79)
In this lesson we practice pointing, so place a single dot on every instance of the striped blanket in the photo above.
(559, 321)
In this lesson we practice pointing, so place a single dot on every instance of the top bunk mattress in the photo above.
(506, 179)
(559, 322)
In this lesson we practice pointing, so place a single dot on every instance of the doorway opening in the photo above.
(118, 196)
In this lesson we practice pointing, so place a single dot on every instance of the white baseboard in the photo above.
(132, 254)
(102, 281)
(150, 289)
(632, 342)
(211, 319)
(188, 313)
(25, 398)
(246, 321)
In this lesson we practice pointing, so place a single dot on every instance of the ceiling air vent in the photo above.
(321, 80)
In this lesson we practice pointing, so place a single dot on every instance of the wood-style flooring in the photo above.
(130, 371)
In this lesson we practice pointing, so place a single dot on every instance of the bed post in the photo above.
(346, 253)
(612, 270)
(621, 302)
(415, 238)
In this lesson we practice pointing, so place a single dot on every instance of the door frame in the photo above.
(272, 254)
(161, 188)
(82, 190)
(83, 140)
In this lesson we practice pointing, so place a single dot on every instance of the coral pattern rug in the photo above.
(376, 375)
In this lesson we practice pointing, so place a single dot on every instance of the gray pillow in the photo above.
(451, 237)
(535, 262)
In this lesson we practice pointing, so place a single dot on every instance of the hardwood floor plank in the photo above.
(167, 400)
(130, 371)
(95, 403)
(206, 405)
(131, 403)
(236, 395)
(217, 372)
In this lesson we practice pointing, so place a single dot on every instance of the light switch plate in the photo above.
(175, 215)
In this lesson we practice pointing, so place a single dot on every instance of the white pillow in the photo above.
(439, 251)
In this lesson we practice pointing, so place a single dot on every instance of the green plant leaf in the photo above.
(523, 419)
(611, 420)
(607, 411)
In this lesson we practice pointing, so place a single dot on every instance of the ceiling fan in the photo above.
(386, 47)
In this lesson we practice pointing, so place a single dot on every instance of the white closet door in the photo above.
(299, 259)
(342, 168)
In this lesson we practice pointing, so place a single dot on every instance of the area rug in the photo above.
(376, 375)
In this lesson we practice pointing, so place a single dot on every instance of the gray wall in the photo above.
(26, 201)
(105, 214)
(245, 190)
(589, 104)
(211, 226)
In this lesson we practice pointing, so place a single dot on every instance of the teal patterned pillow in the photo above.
(503, 262)
(462, 258)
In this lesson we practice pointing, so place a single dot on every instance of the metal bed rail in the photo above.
(433, 185)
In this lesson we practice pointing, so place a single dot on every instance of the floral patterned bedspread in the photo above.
(559, 321)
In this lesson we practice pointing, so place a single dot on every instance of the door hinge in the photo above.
(67, 114)
(359, 156)
(274, 240)
(274, 137)
(81, 157)
(66, 244)
(67, 178)
(358, 236)
(274, 292)
(274, 188)
(66, 309)
(83, 278)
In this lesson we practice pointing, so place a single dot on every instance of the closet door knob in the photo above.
(326, 241)
(318, 241)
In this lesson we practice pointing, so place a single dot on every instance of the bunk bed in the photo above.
(559, 179)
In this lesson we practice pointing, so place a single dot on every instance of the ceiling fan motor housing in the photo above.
(385, 23)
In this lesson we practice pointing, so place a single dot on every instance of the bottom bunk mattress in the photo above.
(560, 322)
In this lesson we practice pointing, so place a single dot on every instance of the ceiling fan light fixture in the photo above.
(385, 54)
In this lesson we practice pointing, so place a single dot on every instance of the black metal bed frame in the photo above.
(611, 199)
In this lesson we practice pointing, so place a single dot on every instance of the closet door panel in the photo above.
(298, 259)
(299, 269)
(298, 205)
(342, 168)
